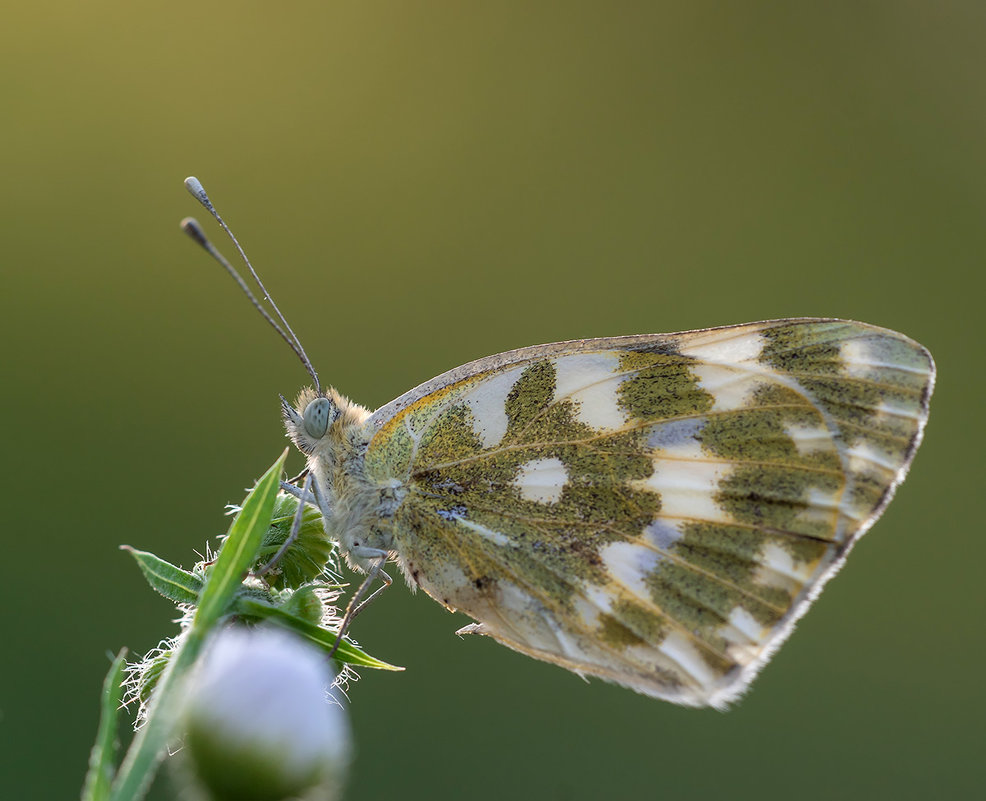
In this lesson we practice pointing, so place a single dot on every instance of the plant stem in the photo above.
(238, 551)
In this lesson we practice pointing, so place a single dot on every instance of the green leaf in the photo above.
(102, 758)
(304, 603)
(239, 550)
(346, 652)
(307, 556)
(172, 582)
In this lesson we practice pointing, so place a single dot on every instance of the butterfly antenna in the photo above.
(194, 230)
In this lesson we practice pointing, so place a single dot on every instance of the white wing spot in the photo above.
(590, 380)
(736, 348)
(886, 410)
(688, 488)
(869, 357)
(495, 537)
(730, 387)
(744, 635)
(487, 401)
(587, 611)
(859, 356)
(686, 655)
(831, 511)
(809, 439)
(819, 498)
(822, 512)
(599, 597)
(542, 480)
(777, 569)
(630, 565)
(743, 621)
(823, 505)
(864, 456)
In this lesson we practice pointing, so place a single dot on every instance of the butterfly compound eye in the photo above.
(317, 417)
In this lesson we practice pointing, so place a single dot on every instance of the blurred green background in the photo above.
(426, 183)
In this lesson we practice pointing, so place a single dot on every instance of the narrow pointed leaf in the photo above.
(240, 546)
(165, 578)
(102, 758)
(346, 652)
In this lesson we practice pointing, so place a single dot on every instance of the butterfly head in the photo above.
(309, 420)
(319, 418)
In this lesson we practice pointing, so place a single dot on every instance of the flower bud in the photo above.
(259, 725)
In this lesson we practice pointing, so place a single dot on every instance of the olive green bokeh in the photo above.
(426, 183)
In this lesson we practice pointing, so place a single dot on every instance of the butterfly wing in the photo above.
(654, 510)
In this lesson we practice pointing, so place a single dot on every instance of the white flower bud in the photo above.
(259, 724)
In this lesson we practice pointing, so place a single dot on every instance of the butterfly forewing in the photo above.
(654, 510)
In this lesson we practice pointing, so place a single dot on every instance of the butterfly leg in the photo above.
(298, 477)
(387, 581)
(298, 492)
(355, 606)
(295, 528)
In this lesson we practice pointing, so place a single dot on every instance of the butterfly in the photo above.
(657, 511)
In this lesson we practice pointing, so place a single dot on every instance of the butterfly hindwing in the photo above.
(654, 510)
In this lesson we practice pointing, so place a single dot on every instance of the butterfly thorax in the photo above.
(354, 508)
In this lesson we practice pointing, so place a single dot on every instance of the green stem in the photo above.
(238, 552)
(148, 747)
